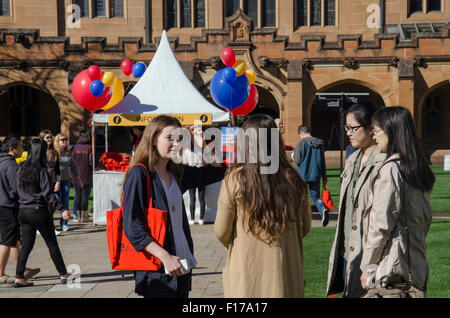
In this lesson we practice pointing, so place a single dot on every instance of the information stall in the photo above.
(163, 89)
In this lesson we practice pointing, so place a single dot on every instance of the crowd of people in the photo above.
(379, 248)
(31, 192)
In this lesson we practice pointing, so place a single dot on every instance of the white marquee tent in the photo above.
(163, 89)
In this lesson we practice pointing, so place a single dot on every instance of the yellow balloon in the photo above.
(251, 75)
(108, 78)
(239, 67)
(117, 96)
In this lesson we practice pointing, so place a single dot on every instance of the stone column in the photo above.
(405, 94)
(293, 106)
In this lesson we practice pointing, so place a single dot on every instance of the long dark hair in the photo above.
(363, 112)
(397, 123)
(85, 137)
(36, 159)
(265, 197)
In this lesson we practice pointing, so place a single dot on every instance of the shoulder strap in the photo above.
(148, 181)
(405, 213)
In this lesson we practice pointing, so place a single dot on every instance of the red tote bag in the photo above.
(326, 198)
(122, 254)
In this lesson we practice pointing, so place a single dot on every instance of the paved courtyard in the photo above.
(85, 246)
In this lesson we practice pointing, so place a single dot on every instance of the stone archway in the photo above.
(324, 122)
(27, 110)
(434, 115)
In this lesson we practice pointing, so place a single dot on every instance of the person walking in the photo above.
(168, 181)
(192, 156)
(68, 169)
(310, 160)
(82, 156)
(52, 166)
(36, 194)
(395, 227)
(10, 149)
(262, 220)
(360, 168)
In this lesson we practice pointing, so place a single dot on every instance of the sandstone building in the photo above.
(398, 51)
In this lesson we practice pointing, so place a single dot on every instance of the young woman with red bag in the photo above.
(168, 181)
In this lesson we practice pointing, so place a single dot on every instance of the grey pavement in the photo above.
(85, 246)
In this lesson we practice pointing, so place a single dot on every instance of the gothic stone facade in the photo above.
(404, 60)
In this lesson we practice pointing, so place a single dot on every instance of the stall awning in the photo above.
(163, 89)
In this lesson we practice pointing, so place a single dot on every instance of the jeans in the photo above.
(74, 205)
(314, 192)
(201, 198)
(64, 197)
(82, 197)
(30, 220)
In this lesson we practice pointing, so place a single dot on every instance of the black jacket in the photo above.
(152, 283)
(8, 181)
(40, 194)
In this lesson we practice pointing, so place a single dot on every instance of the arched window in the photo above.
(100, 8)
(415, 6)
(263, 12)
(432, 116)
(315, 12)
(423, 6)
(231, 7)
(185, 13)
(4, 8)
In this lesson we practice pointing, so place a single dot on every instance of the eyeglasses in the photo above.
(352, 129)
(48, 137)
(375, 132)
(64, 140)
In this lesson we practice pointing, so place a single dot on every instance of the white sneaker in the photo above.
(57, 232)
(191, 222)
(201, 222)
(38, 233)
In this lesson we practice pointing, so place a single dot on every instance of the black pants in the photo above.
(38, 219)
(9, 227)
(201, 198)
(82, 197)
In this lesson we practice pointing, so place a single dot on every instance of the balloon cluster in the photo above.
(93, 89)
(137, 69)
(233, 86)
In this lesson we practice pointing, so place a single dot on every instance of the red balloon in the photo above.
(126, 67)
(93, 72)
(83, 96)
(228, 57)
(249, 104)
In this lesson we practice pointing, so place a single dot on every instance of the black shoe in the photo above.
(19, 285)
(31, 272)
(325, 217)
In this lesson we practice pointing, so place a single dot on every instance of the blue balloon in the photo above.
(229, 75)
(97, 88)
(139, 69)
(226, 94)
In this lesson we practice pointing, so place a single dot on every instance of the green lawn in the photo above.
(440, 196)
(317, 247)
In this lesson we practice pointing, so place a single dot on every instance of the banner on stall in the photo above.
(144, 119)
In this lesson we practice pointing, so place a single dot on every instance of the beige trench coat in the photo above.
(253, 268)
(385, 240)
(351, 287)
